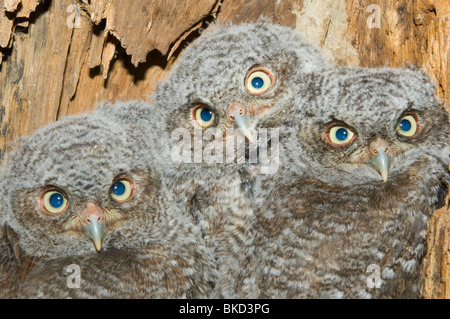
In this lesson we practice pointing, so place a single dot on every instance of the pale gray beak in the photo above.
(242, 124)
(96, 231)
(381, 163)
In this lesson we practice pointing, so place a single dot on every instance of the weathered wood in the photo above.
(436, 266)
(239, 11)
(10, 10)
(63, 57)
(151, 25)
(409, 33)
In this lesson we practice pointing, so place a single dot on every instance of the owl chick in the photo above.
(229, 76)
(88, 215)
(363, 165)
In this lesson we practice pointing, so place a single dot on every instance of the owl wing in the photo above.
(12, 269)
(155, 272)
(7, 264)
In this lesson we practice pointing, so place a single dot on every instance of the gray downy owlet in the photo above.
(363, 164)
(224, 80)
(88, 215)
(227, 78)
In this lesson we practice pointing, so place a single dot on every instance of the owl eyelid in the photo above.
(122, 176)
(339, 123)
(409, 112)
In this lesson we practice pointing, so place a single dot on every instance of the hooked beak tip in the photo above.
(242, 124)
(381, 163)
(96, 231)
(98, 245)
(249, 137)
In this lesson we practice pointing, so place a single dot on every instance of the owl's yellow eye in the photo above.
(53, 202)
(340, 135)
(258, 81)
(408, 126)
(122, 190)
(203, 116)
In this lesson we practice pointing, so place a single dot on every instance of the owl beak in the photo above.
(381, 163)
(379, 149)
(94, 224)
(242, 124)
(237, 114)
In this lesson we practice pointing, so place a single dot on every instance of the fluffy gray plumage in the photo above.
(327, 215)
(150, 248)
(213, 74)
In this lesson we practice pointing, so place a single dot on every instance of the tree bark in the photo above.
(63, 57)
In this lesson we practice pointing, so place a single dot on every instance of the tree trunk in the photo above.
(63, 57)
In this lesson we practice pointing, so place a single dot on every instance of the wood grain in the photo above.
(142, 26)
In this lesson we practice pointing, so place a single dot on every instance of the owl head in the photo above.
(358, 125)
(84, 184)
(232, 74)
